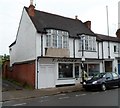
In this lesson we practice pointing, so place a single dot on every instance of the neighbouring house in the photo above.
(49, 50)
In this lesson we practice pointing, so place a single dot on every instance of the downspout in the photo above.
(108, 49)
(41, 44)
(38, 58)
(74, 47)
(103, 57)
(37, 70)
(102, 51)
(98, 49)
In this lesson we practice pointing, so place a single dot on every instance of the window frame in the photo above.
(59, 39)
(88, 42)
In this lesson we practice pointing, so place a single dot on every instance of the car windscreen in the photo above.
(96, 76)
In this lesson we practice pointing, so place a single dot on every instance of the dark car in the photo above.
(102, 81)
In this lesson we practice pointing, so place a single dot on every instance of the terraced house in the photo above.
(49, 50)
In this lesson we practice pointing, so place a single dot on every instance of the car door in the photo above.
(115, 79)
(109, 79)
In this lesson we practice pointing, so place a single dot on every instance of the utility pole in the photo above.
(108, 32)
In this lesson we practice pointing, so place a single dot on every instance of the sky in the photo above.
(93, 10)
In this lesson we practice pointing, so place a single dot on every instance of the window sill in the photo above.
(86, 51)
(65, 78)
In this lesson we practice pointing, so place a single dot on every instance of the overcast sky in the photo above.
(93, 10)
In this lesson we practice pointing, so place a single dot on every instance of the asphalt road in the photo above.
(82, 98)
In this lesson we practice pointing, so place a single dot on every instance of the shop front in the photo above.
(63, 71)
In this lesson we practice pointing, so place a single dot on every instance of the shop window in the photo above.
(93, 69)
(65, 70)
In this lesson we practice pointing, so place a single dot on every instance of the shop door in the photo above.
(108, 66)
(77, 73)
(46, 76)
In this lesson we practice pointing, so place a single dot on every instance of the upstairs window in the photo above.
(57, 39)
(115, 49)
(87, 43)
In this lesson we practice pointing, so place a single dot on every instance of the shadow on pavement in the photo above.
(8, 86)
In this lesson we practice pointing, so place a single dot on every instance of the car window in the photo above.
(99, 75)
(109, 76)
(115, 76)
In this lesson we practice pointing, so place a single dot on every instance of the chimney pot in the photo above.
(76, 17)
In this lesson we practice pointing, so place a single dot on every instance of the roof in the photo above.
(101, 37)
(43, 20)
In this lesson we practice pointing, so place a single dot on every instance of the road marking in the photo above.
(83, 94)
(80, 95)
(19, 104)
(44, 97)
(43, 101)
(64, 97)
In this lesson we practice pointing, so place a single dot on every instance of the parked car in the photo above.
(102, 81)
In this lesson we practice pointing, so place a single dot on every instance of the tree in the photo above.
(3, 58)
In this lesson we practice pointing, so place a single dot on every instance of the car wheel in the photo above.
(103, 87)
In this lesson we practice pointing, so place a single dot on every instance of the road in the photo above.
(82, 98)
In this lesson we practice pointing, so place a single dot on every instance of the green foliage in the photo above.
(26, 86)
(4, 58)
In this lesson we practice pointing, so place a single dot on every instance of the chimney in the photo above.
(118, 33)
(88, 24)
(31, 10)
(76, 17)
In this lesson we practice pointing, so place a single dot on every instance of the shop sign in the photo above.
(64, 60)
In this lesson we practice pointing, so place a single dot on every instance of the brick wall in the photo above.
(22, 72)
(6, 69)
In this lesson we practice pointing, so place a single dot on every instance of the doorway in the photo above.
(108, 66)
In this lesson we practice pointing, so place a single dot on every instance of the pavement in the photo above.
(12, 92)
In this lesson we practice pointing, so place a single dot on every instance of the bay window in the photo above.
(88, 42)
(57, 39)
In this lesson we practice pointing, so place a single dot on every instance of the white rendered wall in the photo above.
(25, 47)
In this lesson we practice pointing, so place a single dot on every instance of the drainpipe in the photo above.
(102, 51)
(37, 70)
(41, 44)
(103, 57)
(98, 49)
(74, 47)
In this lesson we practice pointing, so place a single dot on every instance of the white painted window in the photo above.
(65, 40)
(48, 40)
(116, 49)
(88, 43)
(54, 35)
(57, 39)
(60, 39)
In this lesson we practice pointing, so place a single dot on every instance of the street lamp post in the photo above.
(82, 58)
